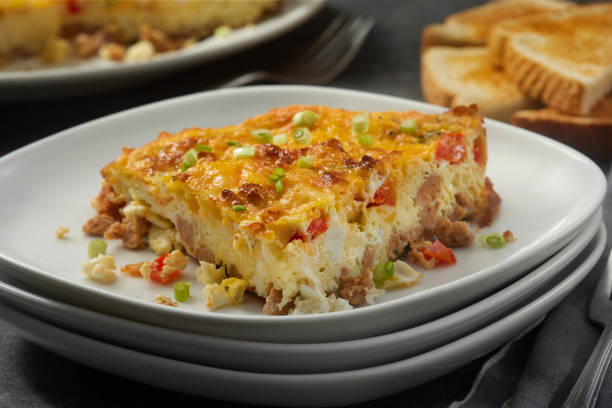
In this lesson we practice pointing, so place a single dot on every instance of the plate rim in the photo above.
(457, 351)
(265, 30)
(539, 276)
(266, 321)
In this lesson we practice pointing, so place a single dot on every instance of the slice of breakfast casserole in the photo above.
(307, 204)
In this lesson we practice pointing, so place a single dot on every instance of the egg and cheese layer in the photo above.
(357, 205)
(28, 26)
(173, 17)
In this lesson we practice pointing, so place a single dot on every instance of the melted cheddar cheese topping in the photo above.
(345, 174)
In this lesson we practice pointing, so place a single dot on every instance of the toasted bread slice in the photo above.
(471, 27)
(590, 134)
(453, 76)
(564, 59)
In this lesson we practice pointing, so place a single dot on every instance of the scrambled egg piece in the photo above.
(229, 292)
(175, 261)
(100, 269)
(208, 273)
(163, 240)
(61, 232)
(165, 300)
(142, 209)
(314, 301)
(403, 277)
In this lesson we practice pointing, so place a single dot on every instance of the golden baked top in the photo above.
(256, 183)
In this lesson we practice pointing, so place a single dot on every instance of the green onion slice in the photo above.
(383, 271)
(244, 152)
(361, 123)
(181, 291)
(230, 143)
(305, 118)
(493, 240)
(365, 140)
(409, 126)
(96, 247)
(280, 139)
(190, 159)
(239, 208)
(302, 136)
(278, 186)
(262, 135)
(305, 162)
(203, 148)
(280, 173)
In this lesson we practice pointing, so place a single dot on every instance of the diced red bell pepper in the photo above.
(385, 195)
(157, 267)
(441, 253)
(317, 226)
(73, 6)
(451, 147)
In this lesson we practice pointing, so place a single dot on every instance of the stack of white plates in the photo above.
(551, 202)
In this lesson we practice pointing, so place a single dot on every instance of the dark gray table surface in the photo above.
(388, 63)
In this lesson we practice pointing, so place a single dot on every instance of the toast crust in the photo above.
(563, 59)
(472, 27)
(458, 76)
(591, 134)
(540, 82)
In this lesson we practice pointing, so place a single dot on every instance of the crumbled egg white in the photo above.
(312, 300)
(371, 293)
(229, 292)
(100, 269)
(162, 240)
(208, 273)
(404, 276)
(61, 232)
(165, 300)
(141, 51)
(140, 208)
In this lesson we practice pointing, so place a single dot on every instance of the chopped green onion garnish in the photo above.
(361, 123)
(305, 118)
(409, 126)
(493, 240)
(96, 247)
(234, 144)
(262, 135)
(203, 148)
(244, 152)
(276, 177)
(365, 140)
(305, 162)
(278, 186)
(302, 136)
(382, 272)
(280, 139)
(190, 159)
(238, 208)
(181, 291)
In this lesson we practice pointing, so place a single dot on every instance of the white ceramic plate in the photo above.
(303, 358)
(330, 389)
(95, 75)
(549, 191)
